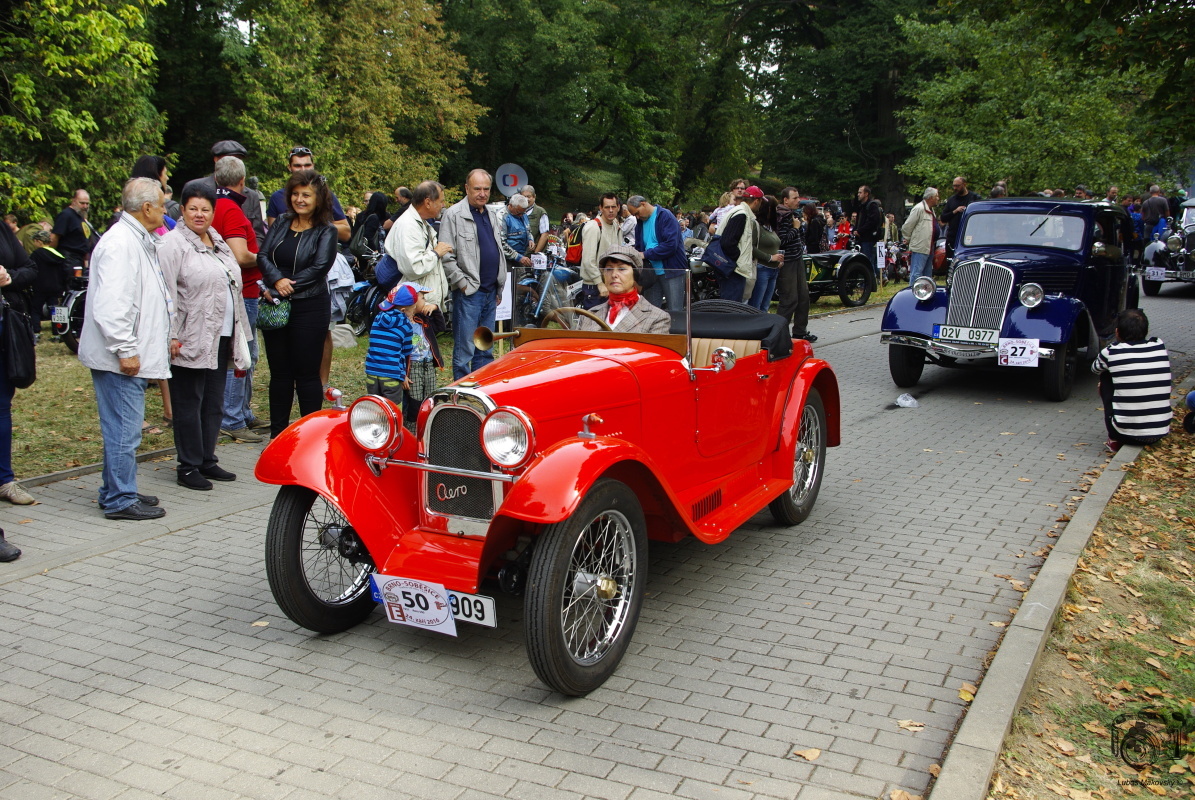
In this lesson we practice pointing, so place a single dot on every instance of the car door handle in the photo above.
(763, 376)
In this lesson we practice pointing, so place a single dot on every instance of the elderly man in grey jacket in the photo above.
(125, 341)
(475, 268)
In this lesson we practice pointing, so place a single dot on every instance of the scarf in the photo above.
(617, 301)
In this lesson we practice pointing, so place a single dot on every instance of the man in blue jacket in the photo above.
(657, 237)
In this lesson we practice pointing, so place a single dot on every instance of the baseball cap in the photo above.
(754, 192)
(624, 253)
(405, 294)
(227, 147)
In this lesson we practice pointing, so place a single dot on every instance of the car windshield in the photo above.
(1188, 217)
(1022, 228)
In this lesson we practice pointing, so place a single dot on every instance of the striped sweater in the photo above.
(1141, 381)
(389, 345)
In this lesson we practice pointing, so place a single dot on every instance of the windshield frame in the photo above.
(1072, 239)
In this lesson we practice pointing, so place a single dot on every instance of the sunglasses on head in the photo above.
(300, 151)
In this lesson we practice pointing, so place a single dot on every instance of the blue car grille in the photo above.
(979, 295)
(1052, 281)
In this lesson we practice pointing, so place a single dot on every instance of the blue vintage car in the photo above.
(1032, 282)
(1169, 256)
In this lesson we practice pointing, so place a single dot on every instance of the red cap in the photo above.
(754, 192)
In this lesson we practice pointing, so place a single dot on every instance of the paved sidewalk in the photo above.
(133, 667)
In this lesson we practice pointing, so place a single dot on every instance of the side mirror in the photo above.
(1099, 249)
(724, 359)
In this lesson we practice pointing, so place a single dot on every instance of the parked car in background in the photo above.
(1170, 257)
(1032, 283)
(547, 472)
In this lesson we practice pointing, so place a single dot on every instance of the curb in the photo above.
(87, 469)
(972, 756)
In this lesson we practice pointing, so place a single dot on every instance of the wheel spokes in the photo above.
(596, 601)
(330, 576)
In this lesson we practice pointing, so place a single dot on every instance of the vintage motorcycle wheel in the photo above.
(317, 567)
(1151, 288)
(70, 335)
(854, 284)
(585, 589)
(905, 364)
(1058, 374)
(809, 458)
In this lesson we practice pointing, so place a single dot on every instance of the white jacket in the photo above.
(128, 307)
(412, 243)
(919, 229)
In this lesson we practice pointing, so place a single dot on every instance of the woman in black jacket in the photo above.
(294, 260)
(815, 229)
(17, 273)
(372, 218)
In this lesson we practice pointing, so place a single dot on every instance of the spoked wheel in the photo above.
(809, 458)
(854, 284)
(584, 590)
(317, 566)
(1058, 375)
(70, 336)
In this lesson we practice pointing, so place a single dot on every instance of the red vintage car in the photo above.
(549, 470)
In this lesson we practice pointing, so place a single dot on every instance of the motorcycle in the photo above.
(896, 261)
(66, 316)
(702, 283)
(362, 305)
(541, 290)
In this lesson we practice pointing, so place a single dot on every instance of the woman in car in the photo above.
(624, 310)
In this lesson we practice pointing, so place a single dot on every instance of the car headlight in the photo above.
(924, 288)
(1174, 242)
(376, 423)
(507, 437)
(1031, 295)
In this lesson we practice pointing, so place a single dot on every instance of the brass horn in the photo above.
(484, 338)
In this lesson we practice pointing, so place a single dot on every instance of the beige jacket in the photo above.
(919, 229)
(596, 238)
(202, 281)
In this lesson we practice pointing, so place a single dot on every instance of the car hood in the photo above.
(549, 384)
(1022, 258)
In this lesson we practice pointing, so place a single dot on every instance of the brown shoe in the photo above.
(15, 494)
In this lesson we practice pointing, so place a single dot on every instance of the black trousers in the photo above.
(793, 287)
(294, 354)
(198, 399)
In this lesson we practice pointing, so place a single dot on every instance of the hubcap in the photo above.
(596, 602)
(805, 465)
(330, 576)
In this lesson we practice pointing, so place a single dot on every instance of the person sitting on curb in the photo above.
(1134, 383)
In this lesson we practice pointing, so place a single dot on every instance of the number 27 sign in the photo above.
(1018, 352)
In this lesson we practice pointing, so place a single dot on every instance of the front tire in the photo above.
(809, 459)
(1058, 374)
(905, 363)
(1151, 288)
(854, 284)
(317, 568)
(585, 589)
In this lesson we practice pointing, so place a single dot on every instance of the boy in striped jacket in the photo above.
(1134, 383)
(390, 345)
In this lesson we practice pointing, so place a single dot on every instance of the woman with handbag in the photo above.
(17, 273)
(209, 328)
(294, 260)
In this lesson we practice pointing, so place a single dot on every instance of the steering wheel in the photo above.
(555, 312)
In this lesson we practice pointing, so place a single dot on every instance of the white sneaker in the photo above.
(14, 493)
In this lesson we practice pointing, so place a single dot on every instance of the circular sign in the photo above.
(510, 178)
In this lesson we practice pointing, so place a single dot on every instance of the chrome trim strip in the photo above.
(467, 473)
(944, 349)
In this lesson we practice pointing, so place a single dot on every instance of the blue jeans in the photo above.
(868, 249)
(238, 391)
(121, 403)
(670, 285)
(920, 265)
(732, 287)
(765, 287)
(469, 312)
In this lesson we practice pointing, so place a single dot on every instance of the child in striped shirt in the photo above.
(390, 345)
(1134, 383)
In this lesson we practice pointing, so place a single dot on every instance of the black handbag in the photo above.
(714, 256)
(17, 345)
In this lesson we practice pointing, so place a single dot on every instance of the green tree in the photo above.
(374, 88)
(996, 102)
(75, 80)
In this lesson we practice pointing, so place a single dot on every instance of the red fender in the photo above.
(319, 452)
(814, 374)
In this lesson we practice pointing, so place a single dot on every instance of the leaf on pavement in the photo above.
(261, 623)
(901, 794)
(809, 755)
(935, 770)
(910, 725)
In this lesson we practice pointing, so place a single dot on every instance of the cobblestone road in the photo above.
(131, 666)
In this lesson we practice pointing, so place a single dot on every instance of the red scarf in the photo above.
(617, 301)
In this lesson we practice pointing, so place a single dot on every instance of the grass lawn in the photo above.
(1125, 642)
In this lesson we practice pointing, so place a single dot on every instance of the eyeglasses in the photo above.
(300, 151)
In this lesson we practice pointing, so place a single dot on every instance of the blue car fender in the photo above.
(1052, 322)
(905, 314)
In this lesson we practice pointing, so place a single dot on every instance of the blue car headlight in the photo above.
(1031, 295)
(924, 288)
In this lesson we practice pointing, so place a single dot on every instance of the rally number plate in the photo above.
(60, 315)
(953, 333)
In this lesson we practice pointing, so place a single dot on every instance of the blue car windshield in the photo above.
(1034, 230)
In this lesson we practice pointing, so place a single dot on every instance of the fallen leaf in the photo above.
(1180, 640)
(1124, 686)
(901, 794)
(966, 696)
(809, 755)
(261, 623)
(910, 725)
(935, 770)
(24, 521)
(1061, 791)
(1160, 791)
(998, 624)
(1024, 480)
(1096, 728)
(1063, 746)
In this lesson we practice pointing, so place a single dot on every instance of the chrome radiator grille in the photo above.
(979, 295)
(454, 440)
